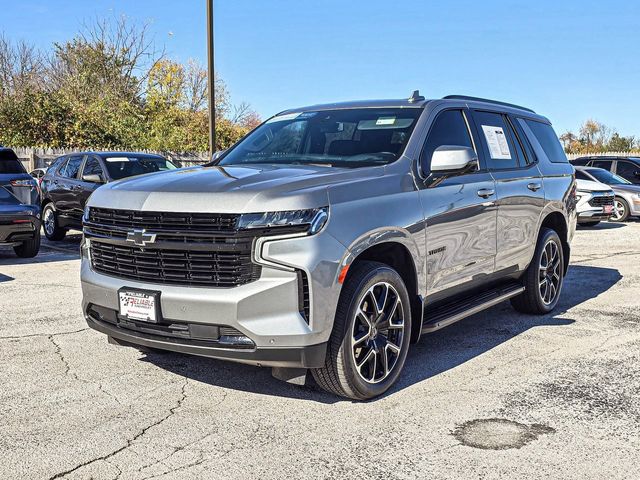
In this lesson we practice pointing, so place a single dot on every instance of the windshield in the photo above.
(608, 178)
(127, 166)
(341, 138)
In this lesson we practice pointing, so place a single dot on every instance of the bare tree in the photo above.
(196, 86)
(21, 67)
(112, 55)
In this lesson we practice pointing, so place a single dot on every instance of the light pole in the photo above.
(211, 79)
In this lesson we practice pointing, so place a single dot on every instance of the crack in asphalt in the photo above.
(129, 442)
(48, 335)
(181, 448)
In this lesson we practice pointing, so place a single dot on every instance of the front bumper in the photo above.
(312, 356)
(265, 311)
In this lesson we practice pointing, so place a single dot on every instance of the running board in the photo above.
(452, 313)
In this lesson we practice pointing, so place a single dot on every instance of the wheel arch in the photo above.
(557, 222)
(397, 255)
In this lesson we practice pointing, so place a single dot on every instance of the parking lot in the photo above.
(498, 394)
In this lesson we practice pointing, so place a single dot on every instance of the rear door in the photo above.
(460, 213)
(628, 170)
(519, 189)
(67, 186)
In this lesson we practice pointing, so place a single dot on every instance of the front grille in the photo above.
(164, 221)
(601, 200)
(179, 267)
(189, 249)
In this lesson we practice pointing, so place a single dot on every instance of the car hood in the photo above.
(228, 189)
(590, 186)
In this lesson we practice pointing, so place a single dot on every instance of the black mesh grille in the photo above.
(188, 249)
(164, 221)
(601, 200)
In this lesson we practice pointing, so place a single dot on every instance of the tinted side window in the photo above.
(628, 170)
(530, 156)
(496, 142)
(72, 167)
(449, 128)
(548, 141)
(54, 168)
(606, 164)
(92, 167)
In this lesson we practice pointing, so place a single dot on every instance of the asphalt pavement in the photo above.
(498, 395)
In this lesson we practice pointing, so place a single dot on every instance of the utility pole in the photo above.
(211, 79)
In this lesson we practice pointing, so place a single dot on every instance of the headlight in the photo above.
(314, 219)
(583, 194)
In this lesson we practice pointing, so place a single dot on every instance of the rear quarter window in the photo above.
(548, 140)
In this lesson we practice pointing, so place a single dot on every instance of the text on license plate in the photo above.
(608, 209)
(138, 305)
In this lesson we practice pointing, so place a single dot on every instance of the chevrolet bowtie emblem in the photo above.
(141, 237)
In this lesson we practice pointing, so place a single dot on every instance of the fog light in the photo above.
(236, 341)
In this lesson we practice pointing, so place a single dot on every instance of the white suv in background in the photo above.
(595, 202)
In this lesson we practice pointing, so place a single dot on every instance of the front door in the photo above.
(460, 213)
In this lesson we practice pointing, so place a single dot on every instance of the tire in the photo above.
(386, 334)
(622, 207)
(537, 298)
(589, 224)
(50, 225)
(30, 248)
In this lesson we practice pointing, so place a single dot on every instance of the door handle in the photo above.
(534, 186)
(486, 192)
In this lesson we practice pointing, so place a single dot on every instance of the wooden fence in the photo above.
(33, 158)
(572, 156)
(42, 157)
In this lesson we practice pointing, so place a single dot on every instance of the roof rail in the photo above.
(486, 100)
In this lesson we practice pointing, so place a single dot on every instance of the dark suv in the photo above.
(71, 179)
(625, 167)
(19, 206)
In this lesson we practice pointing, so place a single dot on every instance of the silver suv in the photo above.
(331, 237)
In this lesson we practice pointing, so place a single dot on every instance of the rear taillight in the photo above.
(24, 183)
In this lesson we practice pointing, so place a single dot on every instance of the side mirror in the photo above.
(217, 155)
(453, 159)
(92, 178)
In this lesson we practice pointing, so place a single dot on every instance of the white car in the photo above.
(595, 202)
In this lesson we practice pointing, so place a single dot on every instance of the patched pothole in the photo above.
(498, 433)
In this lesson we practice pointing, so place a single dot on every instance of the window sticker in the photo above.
(386, 121)
(497, 142)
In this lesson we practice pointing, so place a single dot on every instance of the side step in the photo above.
(454, 312)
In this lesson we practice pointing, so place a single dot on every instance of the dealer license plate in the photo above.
(139, 305)
(608, 209)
